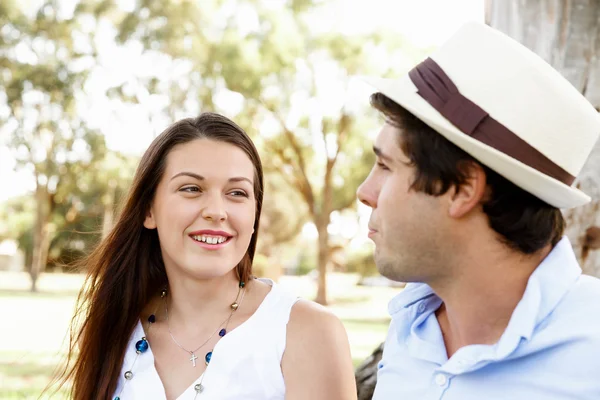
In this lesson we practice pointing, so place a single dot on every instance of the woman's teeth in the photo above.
(209, 239)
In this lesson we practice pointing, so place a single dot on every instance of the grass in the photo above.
(25, 375)
(35, 324)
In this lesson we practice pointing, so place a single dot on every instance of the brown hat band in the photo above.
(435, 87)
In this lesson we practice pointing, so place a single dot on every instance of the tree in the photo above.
(292, 80)
(17, 218)
(282, 219)
(82, 212)
(565, 34)
(43, 71)
(86, 205)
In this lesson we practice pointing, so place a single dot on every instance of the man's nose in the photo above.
(366, 194)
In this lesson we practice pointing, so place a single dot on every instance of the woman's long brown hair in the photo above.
(127, 269)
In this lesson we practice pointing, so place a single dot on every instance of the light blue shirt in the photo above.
(550, 349)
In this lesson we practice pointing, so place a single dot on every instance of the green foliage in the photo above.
(79, 216)
(283, 215)
(306, 263)
(270, 63)
(42, 72)
(17, 217)
(362, 262)
(260, 265)
(291, 79)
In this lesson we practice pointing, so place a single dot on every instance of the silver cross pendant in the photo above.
(193, 359)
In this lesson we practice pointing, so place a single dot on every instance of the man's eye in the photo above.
(382, 166)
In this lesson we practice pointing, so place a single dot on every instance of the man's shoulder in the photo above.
(583, 297)
(576, 317)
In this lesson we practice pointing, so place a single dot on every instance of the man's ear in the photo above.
(470, 193)
(150, 222)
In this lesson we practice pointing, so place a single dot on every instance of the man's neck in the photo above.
(478, 304)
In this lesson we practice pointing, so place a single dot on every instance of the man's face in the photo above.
(406, 226)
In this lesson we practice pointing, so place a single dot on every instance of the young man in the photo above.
(480, 148)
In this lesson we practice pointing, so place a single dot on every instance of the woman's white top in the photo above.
(245, 364)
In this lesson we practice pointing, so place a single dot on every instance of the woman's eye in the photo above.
(238, 193)
(190, 189)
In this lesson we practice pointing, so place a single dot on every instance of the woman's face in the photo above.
(204, 209)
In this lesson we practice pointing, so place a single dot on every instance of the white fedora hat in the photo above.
(506, 107)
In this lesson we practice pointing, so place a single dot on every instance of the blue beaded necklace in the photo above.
(141, 346)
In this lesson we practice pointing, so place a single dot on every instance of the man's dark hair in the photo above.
(522, 221)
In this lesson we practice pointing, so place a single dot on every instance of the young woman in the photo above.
(170, 309)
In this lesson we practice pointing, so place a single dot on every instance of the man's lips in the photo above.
(372, 232)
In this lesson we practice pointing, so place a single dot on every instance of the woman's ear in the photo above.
(150, 222)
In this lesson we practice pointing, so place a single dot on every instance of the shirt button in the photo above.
(421, 308)
(441, 379)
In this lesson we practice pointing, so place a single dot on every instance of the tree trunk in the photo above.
(566, 34)
(41, 235)
(366, 374)
(323, 258)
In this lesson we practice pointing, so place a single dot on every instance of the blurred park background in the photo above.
(86, 85)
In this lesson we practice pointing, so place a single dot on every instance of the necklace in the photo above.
(234, 306)
(141, 346)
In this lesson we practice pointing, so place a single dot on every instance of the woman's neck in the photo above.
(190, 301)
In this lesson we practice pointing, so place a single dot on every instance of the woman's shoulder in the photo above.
(303, 314)
(311, 318)
(272, 295)
(317, 351)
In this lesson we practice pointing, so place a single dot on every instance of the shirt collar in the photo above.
(411, 294)
(546, 287)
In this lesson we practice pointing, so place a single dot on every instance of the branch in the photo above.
(351, 200)
(298, 182)
(291, 233)
(343, 128)
(342, 132)
(300, 164)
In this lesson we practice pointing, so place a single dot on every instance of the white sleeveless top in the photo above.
(246, 362)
